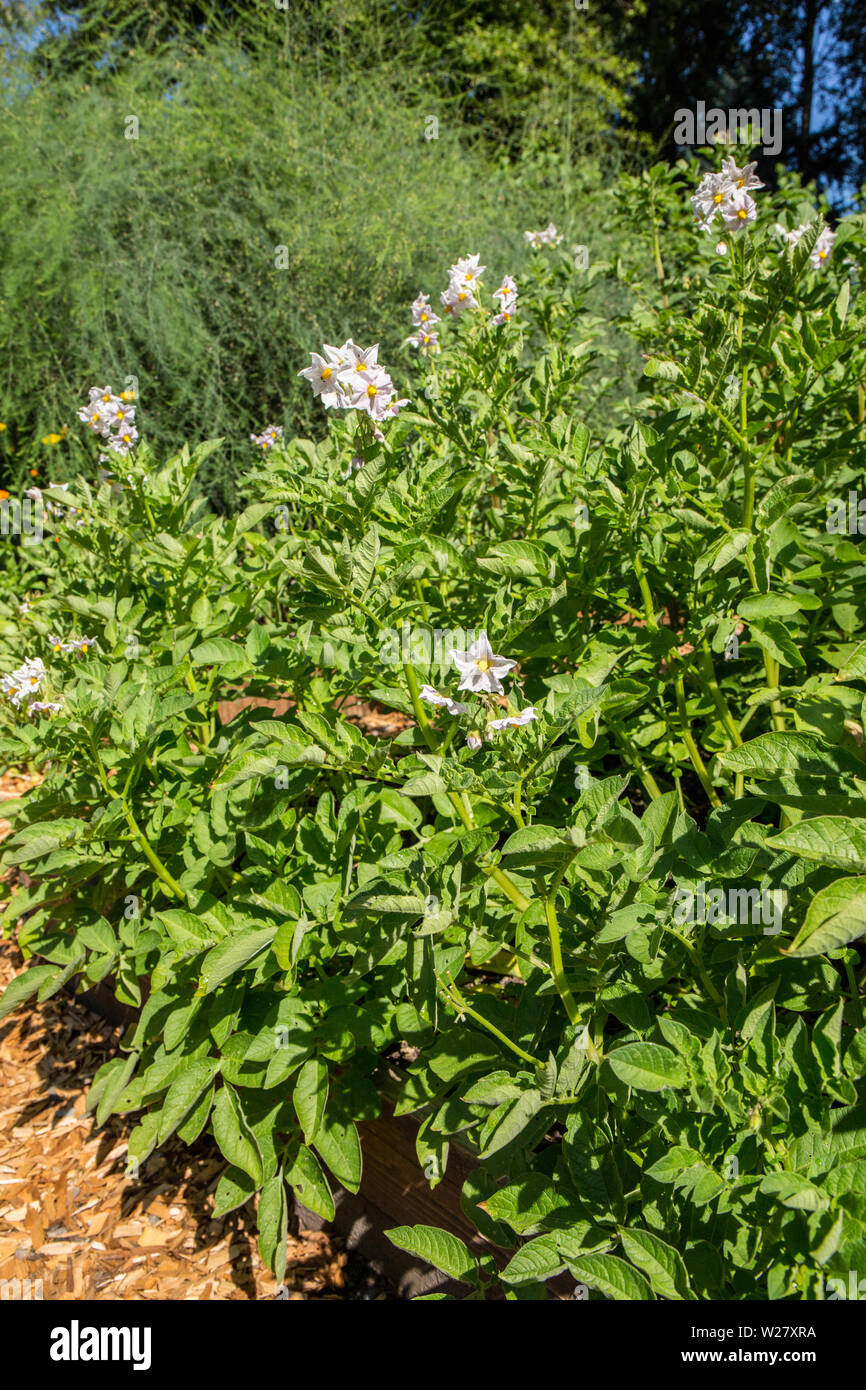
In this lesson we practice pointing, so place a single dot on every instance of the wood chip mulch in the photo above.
(70, 1216)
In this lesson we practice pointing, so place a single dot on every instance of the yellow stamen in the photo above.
(483, 664)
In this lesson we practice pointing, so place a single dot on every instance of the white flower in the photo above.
(823, 249)
(444, 701)
(708, 198)
(44, 707)
(507, 308)
(507, 289)
(480, 669)
(427, 342)
(94, 417)
(738, 210)
(726, 193)
(356, 463)
(422, 314)
(744, 178)
(365, 359)
(473, 742)
(122, 442)
(324, 376)
(792, 237)
(105, 412)
(351, 378)
(373, 393)
(514, 721)
(24, 680)
(268, 438)
(120, 415)
(466, 272)
(549, 237)
(80, 644)
(457, 297)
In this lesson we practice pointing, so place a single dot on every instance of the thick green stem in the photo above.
(691, 747)
(456, 1000)
(559, 977)
(715, 690)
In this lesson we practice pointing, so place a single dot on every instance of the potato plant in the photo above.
(604, 879)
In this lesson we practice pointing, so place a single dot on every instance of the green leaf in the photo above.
(234, 1188)
(836, 915)
(310, 1185)
(513, 1117)
(795, 1191)
(233, 953)
(234, 1136)
(24, 985)
(827, 840)
(310, 1097)
(611, 1276)
(538, 1259)
(775, 639)
(183, 1093)
(338, 1144)
(782, 755)
(439, 1248)
(647, 1066)
(218, 650)
(273, 1221)
(660, 1262)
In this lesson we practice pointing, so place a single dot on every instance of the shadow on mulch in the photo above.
(73, 1220)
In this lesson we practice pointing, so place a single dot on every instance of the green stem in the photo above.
(691, 747)
(152, 858)
(856, 1002)
(650, 785)
(459, 800)
(559, 976)
(694, 954)
(456, 1000)
(708, 671)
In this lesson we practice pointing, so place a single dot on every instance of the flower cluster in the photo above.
(268, 438)
(350, 378)
(726, 194)
(53, 508)
(507, 296)
(821, 251)
(423, 320)
(111, 417)
(77, 644)
(481, 671)
(24, 680)
(549, 237)
(463, 285)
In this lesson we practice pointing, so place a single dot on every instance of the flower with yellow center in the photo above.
(480, 668)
